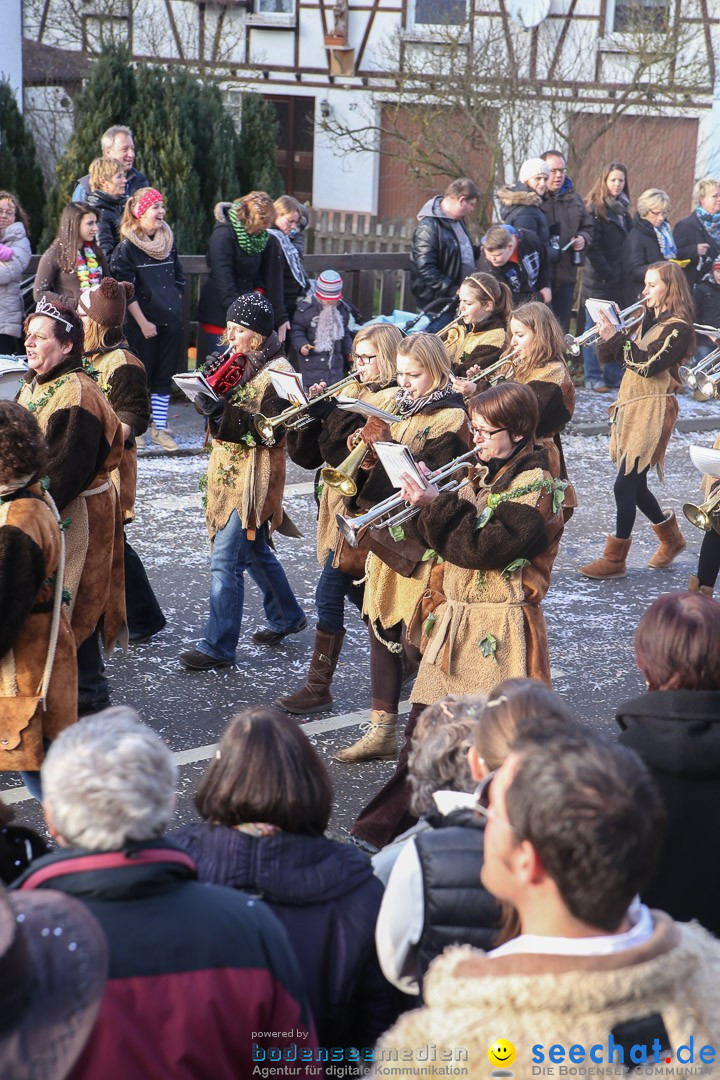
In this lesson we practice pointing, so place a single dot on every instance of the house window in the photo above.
(279, 13)
(274, 7)
(636, 16)
(438, 12)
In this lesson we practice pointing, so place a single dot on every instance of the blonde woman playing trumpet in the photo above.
(643, 417)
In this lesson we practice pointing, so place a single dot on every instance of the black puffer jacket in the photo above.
(109, 209)
(435, 256)
(688, 233)
(521, 207)
(159, 283)
(677, 734)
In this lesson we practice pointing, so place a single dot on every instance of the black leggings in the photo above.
(709, 561)
(632, 494)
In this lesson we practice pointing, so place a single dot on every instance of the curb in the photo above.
(685, 424)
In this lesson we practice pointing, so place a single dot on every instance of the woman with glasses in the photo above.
(644, 415)
(498, 536)
(477, 337)
(649, 241)
(329, 438)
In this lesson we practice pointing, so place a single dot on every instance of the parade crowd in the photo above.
(522, 893)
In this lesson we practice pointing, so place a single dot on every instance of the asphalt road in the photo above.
(590, 624)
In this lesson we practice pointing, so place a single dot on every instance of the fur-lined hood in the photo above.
(221, 210)
(518, 195)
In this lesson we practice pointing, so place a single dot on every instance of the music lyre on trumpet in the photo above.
(296, 416)
(706, 516)
(629, 318)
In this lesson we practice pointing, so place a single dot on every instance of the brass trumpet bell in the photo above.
(702, 516)
(296, 416)
(629, 318)
(344, 477)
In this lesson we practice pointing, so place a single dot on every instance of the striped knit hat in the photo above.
(329, 286)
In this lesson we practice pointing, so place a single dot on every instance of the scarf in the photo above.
(710, 223)
(408, 406)
(668, 248)
(617, 210)
(329, 328)
(159, 247)
(292, 256)
(251, 245)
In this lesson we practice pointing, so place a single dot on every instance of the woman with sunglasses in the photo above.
(498, 536)
(328, 438)
(477, 337)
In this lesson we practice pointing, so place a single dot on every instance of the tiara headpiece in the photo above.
(47, 308)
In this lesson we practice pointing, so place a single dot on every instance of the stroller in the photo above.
(409, 323)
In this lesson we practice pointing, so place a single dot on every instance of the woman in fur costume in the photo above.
(477, 338)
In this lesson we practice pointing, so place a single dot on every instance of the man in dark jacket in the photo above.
(569, 220)
(442, 254)
(116, 142)
(518, 258)
(202, 979)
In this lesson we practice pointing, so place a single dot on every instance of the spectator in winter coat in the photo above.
(320, 332)
(15, 255)
(568, 220)
(518, 259)
(197, 973)
(521, 204)
(706, 298)
(288, 216)
(702, 229)
(650, 241)
(442, 254)
(265, 801)
(107, 198)
(74, 261)
(117, 142)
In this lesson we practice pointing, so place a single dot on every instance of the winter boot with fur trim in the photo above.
(672, 541)
(378, 742)
(695, 586)
(314, 696)
(611, 563)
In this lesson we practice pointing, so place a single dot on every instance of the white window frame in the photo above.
(430, 27)
(610, 18)
(280, 19)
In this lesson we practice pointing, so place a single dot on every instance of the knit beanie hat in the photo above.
(148, 197)
(534, 166)
(106, 303)
(716, 262)
(252, 311)
(329, 286)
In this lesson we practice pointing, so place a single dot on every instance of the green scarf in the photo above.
(251, 245)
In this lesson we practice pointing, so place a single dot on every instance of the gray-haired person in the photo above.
(117, 142)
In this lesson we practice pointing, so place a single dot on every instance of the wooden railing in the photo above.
(375, 282)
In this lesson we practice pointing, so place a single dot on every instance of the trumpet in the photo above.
(691, 376)
(296, 416)
(706, 516)
(394, 510)
(496, 372)
(629, 318)
(344, 477)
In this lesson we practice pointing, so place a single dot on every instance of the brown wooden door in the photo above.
(296, 133)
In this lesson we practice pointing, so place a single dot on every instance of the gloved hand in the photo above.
(6, 253)
(211, 407)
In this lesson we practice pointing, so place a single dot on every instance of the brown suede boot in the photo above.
(378, 742)
(314, 696)
(672, 542)
(695, 586)
(611, 563)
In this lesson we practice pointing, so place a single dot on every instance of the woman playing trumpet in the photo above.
(643, 417)
(433, 425)
(477, 337)
(327, 439)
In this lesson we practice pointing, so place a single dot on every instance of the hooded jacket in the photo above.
(567, 216)
(11, 305)
(327, 898)
(677, 734)
(521, 207)
(109, 209)
(436, 268)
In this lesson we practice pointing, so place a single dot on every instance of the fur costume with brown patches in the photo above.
(243, 474)
(644, 414)
(122, 379)
(477, 343)
(484, 599)
(85, 441)
(472, 998)
(29, 552)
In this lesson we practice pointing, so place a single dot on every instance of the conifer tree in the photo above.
(19, 170)
(257, 161)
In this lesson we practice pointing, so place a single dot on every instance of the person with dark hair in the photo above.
(15, 255)
(477, 337)
(18, 844)
(31, 557)
(573, 832)
(124, 383)
(643, 417)
(608, 203)
(570, 228)
(85, 443)
(74, 261)
(481, 618)
(442, 253)
(265, 800)
(675, 728)
(518, 259)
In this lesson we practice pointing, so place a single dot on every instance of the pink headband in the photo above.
(148, 199)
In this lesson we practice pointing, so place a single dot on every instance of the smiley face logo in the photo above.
(501, 1053)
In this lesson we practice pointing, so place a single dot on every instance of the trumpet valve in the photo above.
(572, 345)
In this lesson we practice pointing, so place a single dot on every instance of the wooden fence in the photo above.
(375, 283)
(334, 232)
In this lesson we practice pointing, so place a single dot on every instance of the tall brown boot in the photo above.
(378, 742)
(672, 541)
(611, 563)
(314, 696)
(695, 586)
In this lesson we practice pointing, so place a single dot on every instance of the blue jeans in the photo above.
(594, 375)
(232, 554)
(332, 588)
